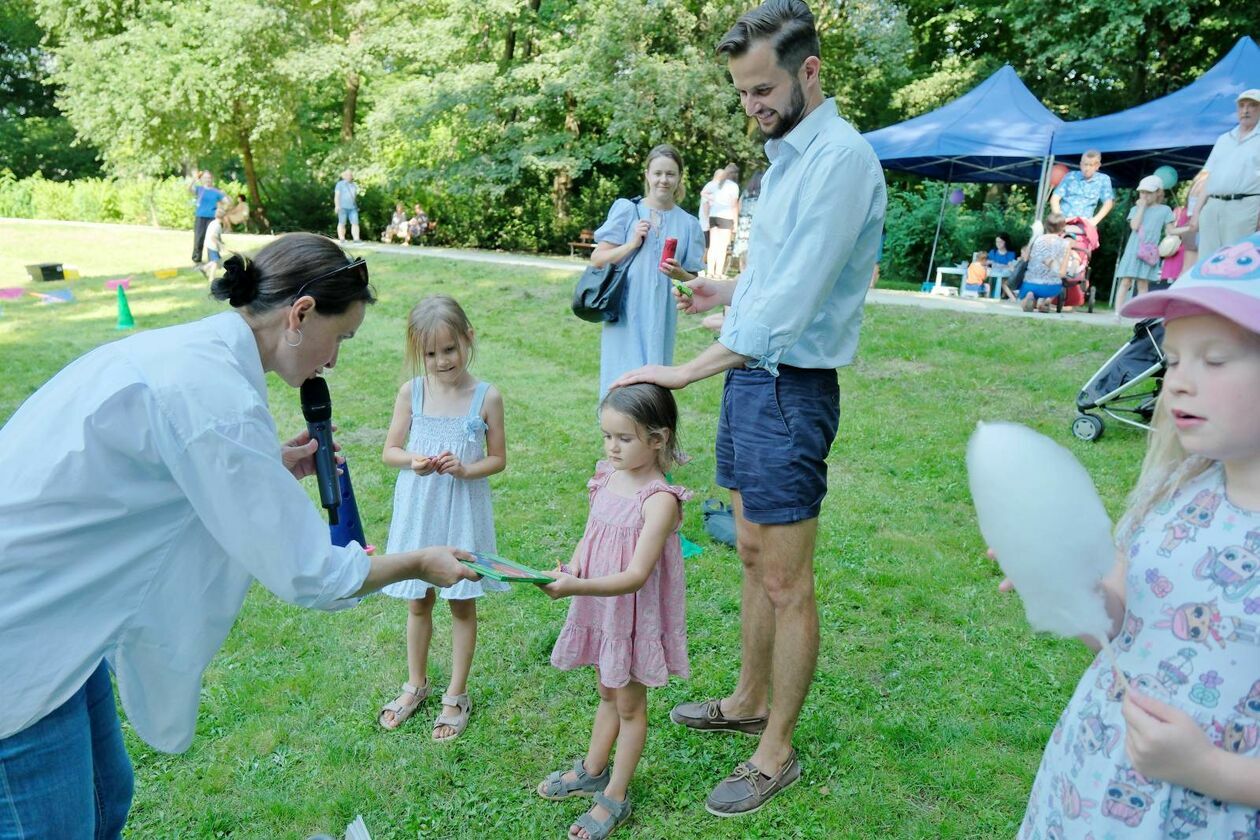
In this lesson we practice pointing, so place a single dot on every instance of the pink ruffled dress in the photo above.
(641, 636)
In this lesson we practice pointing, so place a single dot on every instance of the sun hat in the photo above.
(1224, 283)
(1150, 183)
(1169, 245)
(1250, 93)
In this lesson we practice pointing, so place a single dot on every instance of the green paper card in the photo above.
(494, 566)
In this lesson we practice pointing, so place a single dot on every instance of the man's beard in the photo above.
(790, 118)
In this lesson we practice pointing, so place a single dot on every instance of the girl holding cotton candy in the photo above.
(1166, 743)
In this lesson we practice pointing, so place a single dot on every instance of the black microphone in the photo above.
(317, 409)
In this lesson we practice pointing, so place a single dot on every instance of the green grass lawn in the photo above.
(932, 702)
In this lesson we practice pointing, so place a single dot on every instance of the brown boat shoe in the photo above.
(707, 716)
(747, 789)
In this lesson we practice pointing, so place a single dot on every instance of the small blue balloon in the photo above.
(956, 197)
(1167, 176)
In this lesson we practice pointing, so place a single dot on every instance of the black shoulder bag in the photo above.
(599, 291)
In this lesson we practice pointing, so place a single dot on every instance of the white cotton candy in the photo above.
(1042, 517)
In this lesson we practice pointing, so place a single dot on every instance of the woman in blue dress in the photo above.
(636, 230)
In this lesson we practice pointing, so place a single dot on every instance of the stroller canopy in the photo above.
(997, 132)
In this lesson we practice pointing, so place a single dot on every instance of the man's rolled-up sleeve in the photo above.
(769, 314)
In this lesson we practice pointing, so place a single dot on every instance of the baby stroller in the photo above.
(1126, 386)
(1077, 288)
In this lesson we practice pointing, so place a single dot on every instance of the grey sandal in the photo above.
(556, 787)
(457, 721)
(618, 812)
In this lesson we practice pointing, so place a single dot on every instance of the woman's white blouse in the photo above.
(142, 492)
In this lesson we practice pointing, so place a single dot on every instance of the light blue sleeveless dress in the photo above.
(441, 509)
(644, 335)
(1152, 230)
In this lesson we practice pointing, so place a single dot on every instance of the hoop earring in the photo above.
(293, 343)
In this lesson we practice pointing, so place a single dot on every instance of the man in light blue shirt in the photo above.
(346, 205)
(1085, 193)
(794, 318)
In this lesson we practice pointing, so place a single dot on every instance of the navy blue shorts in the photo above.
(773, 437)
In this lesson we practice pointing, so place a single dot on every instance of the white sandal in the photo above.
(457, 722)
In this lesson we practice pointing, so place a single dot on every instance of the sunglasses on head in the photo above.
(358, 266)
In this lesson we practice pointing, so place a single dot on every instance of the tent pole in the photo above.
(940, 217)
(1115, 275)
(1042, 183)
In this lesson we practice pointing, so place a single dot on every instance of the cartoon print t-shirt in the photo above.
(1189, 638)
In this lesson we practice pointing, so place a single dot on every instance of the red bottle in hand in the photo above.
(667, 253)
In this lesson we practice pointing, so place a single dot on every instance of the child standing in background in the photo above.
(214, 244)
(1149, 220)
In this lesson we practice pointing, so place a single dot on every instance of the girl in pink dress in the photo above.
(627, 617)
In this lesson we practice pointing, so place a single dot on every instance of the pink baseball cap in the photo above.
(1224, 283)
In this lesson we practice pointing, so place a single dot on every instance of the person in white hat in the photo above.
(1232, 210)
(1150, 219)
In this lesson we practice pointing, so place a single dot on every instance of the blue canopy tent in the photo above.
(1176, 130)
(997, 132)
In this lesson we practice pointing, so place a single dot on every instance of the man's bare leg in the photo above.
(751, 697)
(786, 564)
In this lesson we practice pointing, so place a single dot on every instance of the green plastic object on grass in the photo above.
(125, 321)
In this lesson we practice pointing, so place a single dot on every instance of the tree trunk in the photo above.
(530, 47)
(349, 106)
(251, 182)
(509, 46)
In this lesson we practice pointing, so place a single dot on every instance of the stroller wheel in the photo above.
(1087, 427)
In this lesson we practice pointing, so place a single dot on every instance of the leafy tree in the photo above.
(34, 135)
(171, 83)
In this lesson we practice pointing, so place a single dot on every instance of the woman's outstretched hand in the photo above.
(440, 565)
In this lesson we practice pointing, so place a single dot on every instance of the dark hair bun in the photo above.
(239, 283)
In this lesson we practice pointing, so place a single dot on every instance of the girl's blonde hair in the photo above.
(426, 318)
(665, 150)
(1166, 467)
(653, 409)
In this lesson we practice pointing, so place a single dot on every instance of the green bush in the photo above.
(15, 196)
(134, 201)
